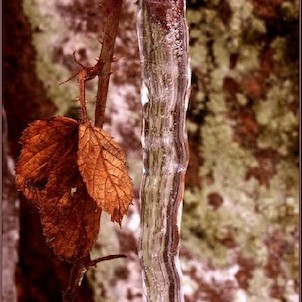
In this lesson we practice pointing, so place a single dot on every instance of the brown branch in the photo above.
(112, 10)
(78, 270)
(106, 258)
(76, 275)
(82, 80)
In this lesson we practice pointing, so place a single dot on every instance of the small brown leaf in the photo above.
(102, 165)
(43, 144)
(47, 173)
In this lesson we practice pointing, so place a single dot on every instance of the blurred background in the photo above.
(240, 234)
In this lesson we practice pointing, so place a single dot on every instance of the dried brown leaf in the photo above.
(102, 165)
(47, 173)
(69, 216)
(43, 144)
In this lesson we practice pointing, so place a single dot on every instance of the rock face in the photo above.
(241, 202)
(240, 221)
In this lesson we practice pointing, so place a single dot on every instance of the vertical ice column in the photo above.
(163, 42)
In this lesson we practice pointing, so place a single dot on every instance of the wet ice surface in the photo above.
(163, 41)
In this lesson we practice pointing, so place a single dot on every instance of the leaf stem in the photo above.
(113, 7)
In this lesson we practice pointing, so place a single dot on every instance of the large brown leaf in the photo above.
(103, 168)
(47, 173)
(69, 216)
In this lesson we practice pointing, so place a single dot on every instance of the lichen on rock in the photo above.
(243, 112)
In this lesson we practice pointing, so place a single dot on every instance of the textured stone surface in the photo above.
(241, 205)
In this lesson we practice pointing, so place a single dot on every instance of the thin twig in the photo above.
(78, 270)
(106, 55)
(82, 80)
(106, 258)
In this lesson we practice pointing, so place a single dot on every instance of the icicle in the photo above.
(163, 42)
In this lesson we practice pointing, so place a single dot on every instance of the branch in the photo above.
(112, 10)
(78, 270)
